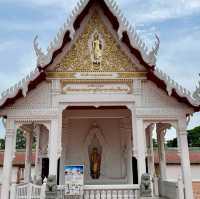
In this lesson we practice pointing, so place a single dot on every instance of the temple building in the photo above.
(94, 99)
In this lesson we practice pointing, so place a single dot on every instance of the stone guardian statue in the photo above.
(145, 186)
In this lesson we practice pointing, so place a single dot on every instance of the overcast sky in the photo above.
(177, 22)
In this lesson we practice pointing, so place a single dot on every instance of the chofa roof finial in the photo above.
(38, 50)
(196, 94)
(157, 45)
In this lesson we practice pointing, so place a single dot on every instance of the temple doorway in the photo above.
(101, 140)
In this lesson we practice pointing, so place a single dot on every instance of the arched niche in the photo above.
(95, 138)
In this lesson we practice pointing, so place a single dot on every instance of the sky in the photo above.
(176, 22)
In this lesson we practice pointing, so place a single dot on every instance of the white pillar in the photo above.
(129, 159)
(141, 148)
(139, 140)
(185, 160)
(8, 157)
(161, 149)
(151, 161)
(37, 151)
(28, 157)
(53, 147)
(55, 134)
(126, 141)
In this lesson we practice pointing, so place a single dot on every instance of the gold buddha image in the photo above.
(95, 163)
(97, 49)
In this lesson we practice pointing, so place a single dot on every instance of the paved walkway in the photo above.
(196, 189)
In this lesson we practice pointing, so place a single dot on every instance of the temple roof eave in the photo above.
(172, 88)
(21, 88)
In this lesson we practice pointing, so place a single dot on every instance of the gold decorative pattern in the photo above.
(73, 75)
(97, 86)
(128, 81)
(78, 59)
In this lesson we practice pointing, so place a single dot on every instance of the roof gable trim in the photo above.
(120, 24)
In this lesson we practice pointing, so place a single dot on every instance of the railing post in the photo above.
(13, 191)
(29, 190)
(180, 187)
(43, 189)
(155, 185)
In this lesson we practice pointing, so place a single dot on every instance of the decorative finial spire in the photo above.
(157, 45)
(151, 58)
(196, 94)
(38, 51)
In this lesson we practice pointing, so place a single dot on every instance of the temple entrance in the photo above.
(45, 168)
(101, 140)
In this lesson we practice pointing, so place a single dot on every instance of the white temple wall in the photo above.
(153, 97)
(76, 149)
(174, 171)
(148, 96)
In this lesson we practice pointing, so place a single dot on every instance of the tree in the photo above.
(2, 144)
(155, 144)
(194, 137)
(20, 140)
(172, 143)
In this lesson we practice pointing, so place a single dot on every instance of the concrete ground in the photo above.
(196, 189)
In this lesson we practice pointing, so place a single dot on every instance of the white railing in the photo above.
(171, 189)
(111, 191)
(27, 191)
(31, 191)
(107, 192)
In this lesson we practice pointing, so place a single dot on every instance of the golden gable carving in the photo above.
(78, 59)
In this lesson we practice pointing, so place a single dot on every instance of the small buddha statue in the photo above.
(96, 49)
(95, 163)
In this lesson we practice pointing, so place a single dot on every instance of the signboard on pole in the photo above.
(74, 179)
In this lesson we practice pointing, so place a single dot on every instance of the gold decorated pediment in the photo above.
(95, 50)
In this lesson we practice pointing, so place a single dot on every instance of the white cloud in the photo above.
(26, 63)
(6, 45)
(179, 57)
(194, 121)
(18, 63)
(146, 11)
(138, 11)
(63, 4)
(6, 81)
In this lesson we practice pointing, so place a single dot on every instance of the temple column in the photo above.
(151, 167)
(139, 145)
(126, 144)
(53, 147)
(160, 128)
(8, 157)
(37, 151)
(28, 157)
(185, 160)
(129, 158)
(141, 148)
(55, 132)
